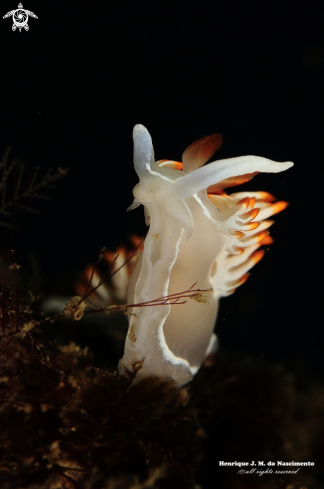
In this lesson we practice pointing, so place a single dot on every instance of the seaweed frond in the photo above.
(17, 193)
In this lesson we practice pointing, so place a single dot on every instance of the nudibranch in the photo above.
(197, 234)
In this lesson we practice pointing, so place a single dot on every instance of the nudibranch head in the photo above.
(197, 234)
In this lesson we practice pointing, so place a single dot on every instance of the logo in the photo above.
(20, 18)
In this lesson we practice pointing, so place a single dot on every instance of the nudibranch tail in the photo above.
(197, 234)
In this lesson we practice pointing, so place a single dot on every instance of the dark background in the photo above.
(72, 88)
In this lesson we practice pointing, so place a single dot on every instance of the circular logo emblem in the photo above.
(20, 18)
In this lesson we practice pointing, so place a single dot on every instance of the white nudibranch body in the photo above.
(198, 234)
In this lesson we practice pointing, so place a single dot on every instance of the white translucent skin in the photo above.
(188, 236)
